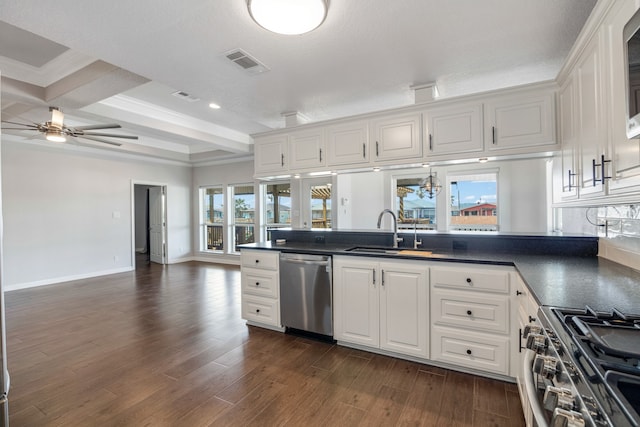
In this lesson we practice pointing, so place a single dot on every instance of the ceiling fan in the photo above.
(56, 131)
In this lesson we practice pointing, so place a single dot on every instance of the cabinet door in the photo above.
(590, 118)
(356, 306)
(454, 130)
(306, 149)
(520, 122)
(347, 144)
(404, 324)
(568, 170)
(271, 154)
(397, 137)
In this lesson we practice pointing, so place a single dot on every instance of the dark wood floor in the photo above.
(165, 346)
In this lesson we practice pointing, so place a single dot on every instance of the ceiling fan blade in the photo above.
(94, 127)
(104, 141)
(34, 128)
(21, 124)
(107, 134)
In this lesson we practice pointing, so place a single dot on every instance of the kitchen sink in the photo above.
(390, 251)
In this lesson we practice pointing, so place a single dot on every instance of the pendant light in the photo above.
(431, 185)
(288, 17)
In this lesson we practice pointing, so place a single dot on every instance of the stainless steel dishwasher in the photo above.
(306, 293)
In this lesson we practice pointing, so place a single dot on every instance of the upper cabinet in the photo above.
(396, 137)
(520, 121)
(307, 149)
(270, 155)
(567, 163)
(348, 143)
(453, 129)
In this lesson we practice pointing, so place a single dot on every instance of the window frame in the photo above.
(203, 222)
(457, 176)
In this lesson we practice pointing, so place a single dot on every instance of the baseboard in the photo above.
(221, 259)
(26, 285)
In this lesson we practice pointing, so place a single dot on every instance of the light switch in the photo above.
(116, 214)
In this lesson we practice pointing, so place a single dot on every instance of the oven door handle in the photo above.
(530, 387)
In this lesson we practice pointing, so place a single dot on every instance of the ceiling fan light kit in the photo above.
(54, 130)
(288, 17)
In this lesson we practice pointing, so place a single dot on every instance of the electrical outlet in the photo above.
(319, 239)
(115, 259)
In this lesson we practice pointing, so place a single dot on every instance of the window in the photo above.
(474, 202)
(212, 221)
(243, 224)
(277, 206)
(321, 206)
(415, 204)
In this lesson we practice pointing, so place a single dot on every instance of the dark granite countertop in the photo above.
(567, 281)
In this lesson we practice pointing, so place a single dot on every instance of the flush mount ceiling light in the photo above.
(55, 135)
(289, 17)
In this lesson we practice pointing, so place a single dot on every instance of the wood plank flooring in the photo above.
(165, 346)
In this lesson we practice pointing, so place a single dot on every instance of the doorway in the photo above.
(149, 224)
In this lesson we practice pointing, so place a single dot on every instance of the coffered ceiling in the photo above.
(118, 61)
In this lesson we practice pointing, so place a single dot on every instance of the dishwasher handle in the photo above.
(307, 260)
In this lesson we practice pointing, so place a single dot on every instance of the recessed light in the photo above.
(214, 106)
(376, 169)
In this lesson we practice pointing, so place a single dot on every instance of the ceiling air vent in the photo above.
(184, 95)
(245, 61)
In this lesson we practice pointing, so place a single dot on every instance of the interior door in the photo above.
(157, 225)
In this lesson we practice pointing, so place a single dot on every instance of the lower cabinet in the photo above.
(382, 304)
(260, 283)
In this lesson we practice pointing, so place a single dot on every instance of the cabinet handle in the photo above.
(603, 176)
(377, 149)
(282, 160)
(570, 179)
(469, 312)
(493, 135)
(430, 142)
(518, 292)
(321, 155)
(364, 151)
(593, 171)
(382, 277)
(520, 340)
(469, 351)
(469, 280)
(374, 276)
(531, 319)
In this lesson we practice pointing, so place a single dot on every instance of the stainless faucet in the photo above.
(416, 242)
(395, 226)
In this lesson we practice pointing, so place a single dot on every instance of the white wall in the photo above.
(67, 213)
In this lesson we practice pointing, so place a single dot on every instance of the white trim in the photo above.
(63, 279)
(133, 218)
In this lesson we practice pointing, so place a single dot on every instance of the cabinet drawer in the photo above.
(266, 260)
(470, 310)
(260, 282)
(478, 351)
(473, 279)
(261, 310)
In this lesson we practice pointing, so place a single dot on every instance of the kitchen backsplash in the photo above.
(618, 228)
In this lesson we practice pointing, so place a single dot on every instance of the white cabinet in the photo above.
(453, 130)
(260, 284)
(396, 137)
(470, 314)
(567, 185)
(271, 155)
(307, 149)
(348, 143)
(521, 121)
(591, 129)
(382, 304)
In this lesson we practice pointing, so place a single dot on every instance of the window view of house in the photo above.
(415, 204)
(474, 202)
(277, 207)
(243, 197)
(212, 199)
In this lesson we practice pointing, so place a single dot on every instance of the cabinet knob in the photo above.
(257, 310)
(468, 279)
(518, 292)
(257, 261)
(531, 319)
(469, 351)
(469, 312)
(257, 283)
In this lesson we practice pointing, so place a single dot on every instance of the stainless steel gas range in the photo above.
(582, 368)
